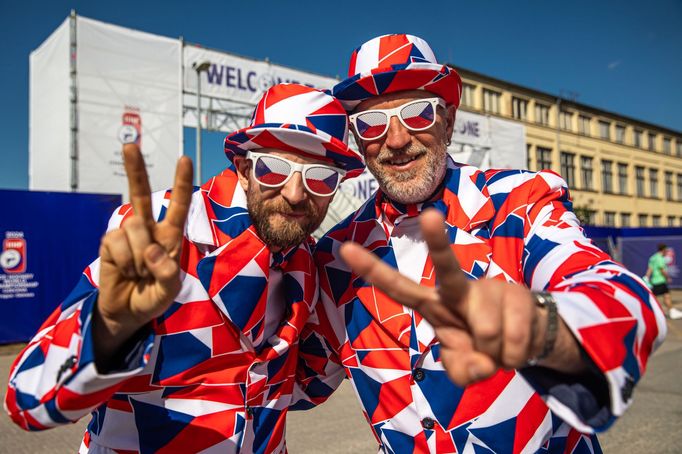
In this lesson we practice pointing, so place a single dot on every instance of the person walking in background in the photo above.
(659, 278)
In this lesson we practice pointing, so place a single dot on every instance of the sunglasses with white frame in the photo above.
(417, 115)
(274, 171)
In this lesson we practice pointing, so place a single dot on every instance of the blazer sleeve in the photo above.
(54, 380)
(610, 311)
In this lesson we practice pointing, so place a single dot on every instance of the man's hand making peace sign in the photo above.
(139, 262)
(482, 325)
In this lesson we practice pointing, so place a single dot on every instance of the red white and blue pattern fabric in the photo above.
(503, 224)
(203, 377)
(392, 63)
(301, 119)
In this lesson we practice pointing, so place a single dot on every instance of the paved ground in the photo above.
(652, 425)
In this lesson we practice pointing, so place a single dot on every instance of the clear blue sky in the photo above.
(622, 56)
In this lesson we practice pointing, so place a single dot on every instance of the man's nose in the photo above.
(397, 136)
(294, 191)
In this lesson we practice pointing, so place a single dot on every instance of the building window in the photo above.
(591, 217)
(528, 155)
(607, 176)
(491, 101)
(520, 109)
(666, 145)
(642, 219)
(669, 186)
(542, 114)
(468, 91)
(637, 138)
(568, 168)
(679, 187)
(604, 127)
(679, 147)
(625, 219)
(609, 219)
(543, 158)
(652, 141)
(671, 221)
(639, 179)
(620, 133)
(584, 125)
(655, 220)
(565, 120)
(653, 183)
(586, 172)
(622, 178)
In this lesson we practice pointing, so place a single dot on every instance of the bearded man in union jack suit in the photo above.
(183, 335)
(515, 332)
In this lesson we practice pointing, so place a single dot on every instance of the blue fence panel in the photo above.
(636, 244)
(47, 240)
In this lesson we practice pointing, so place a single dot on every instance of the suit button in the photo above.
(428, 423)
(418, 374)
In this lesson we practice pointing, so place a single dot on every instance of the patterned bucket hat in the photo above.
(302, 120)
(391, 63)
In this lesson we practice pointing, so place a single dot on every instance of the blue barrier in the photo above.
(47, 240)
(634, 245)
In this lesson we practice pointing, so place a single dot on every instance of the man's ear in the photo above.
(450, 113)
(242, 165)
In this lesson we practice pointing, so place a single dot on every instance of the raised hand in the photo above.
(482, 325)
(139, 262)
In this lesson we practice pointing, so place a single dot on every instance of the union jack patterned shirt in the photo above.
(215, 373)
(503, 224)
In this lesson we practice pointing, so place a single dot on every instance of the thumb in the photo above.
(164, 270)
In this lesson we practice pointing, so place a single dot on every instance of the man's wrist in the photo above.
(109, 335)
(548, 327)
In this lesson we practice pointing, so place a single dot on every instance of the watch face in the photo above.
(542, 298)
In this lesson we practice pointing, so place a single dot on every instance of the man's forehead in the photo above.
(394, 99)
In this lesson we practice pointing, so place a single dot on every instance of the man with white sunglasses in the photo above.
(183, 336)
(515, 332)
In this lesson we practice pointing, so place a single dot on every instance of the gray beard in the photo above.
(412, 186)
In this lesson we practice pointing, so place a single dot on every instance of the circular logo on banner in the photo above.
(127, 134)
(10, 259)
(265, 81)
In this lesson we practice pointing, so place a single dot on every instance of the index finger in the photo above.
(139, 191)
(452, 281)
(181, 195)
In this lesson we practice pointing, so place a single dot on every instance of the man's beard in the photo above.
(414, 185)
(287, 232)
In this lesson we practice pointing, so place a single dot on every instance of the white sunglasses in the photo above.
(417, 115)
(274, 171)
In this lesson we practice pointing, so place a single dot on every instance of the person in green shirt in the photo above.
(657, 273)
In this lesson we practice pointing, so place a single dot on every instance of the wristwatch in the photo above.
(546, 300)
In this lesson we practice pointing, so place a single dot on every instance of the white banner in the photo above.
(240, 79)
(488, 142)
(478, 140)
(129, 88)
(49, 140)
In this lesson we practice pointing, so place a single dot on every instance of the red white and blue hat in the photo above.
(391, 63)
(302, 120)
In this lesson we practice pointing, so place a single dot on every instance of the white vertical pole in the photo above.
(73, 99)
